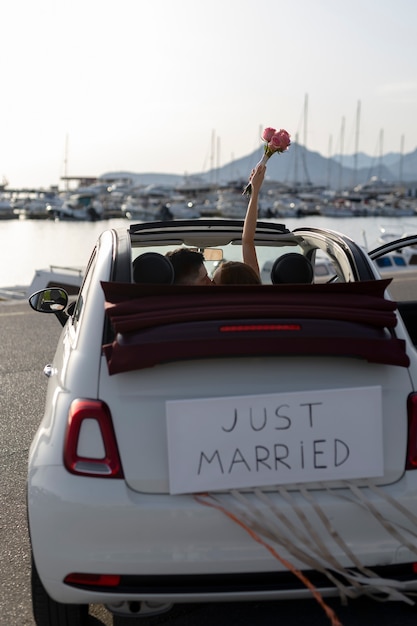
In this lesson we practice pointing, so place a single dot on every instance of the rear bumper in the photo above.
(259, 584)
(174, 549)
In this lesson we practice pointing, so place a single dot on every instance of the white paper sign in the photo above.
(259, 440)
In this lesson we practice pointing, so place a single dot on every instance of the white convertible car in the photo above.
(225, 443)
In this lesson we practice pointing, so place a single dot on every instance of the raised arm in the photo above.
(249, 227)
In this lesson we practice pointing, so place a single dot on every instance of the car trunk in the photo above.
(221, 388)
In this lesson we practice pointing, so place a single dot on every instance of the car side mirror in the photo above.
(51, 300)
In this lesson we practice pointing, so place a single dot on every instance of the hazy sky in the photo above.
(176, 86)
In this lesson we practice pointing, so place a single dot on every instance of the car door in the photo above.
(398, 260)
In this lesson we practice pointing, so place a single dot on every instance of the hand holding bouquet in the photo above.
(275, 141)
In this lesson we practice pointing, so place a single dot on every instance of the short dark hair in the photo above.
(186, 263)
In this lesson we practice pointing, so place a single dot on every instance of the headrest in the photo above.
(153, 268)
(292, 268)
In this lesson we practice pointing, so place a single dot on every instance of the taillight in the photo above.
(93, 580)
(90, 447)
(411, 463)
(247, 328)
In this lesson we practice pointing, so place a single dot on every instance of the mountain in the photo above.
(391, 159)
(298, 166)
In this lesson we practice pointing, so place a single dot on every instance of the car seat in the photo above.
(292, 268)
(153, 268)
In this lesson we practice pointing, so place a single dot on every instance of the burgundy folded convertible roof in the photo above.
(160, 323)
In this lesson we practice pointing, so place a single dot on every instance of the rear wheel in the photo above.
(47, 612)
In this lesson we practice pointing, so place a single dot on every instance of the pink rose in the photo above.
(279, 141)
(268, 134)
(275, 141)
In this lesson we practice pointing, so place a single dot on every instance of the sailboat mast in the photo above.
(329, 161)
(342, 140)
(381, 151)
(213, 148)
(355, 169)
(304, 152)
(305, 120)
(218, 161)
(66, 163)
(401, 159)
(297, 147)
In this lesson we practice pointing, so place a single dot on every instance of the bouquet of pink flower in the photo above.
(275, 141)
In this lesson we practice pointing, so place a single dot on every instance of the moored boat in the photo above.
(84, 206)
(6, 209)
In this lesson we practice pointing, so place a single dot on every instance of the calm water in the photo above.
(28, 245)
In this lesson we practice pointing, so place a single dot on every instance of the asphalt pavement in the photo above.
(28, 341)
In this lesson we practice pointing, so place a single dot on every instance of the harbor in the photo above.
(52, 231)
(107, 198)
